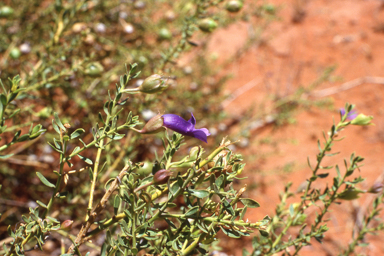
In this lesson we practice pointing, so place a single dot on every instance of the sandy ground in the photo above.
(347, 35)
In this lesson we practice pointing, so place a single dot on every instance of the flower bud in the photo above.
(66, 225)
(207, 25)
(154, 125)
(15, 53)
(6, 12)
(165, 34)
(362, 119)
(152, 84)
(233, 6)
(161, 176)
(94, 69)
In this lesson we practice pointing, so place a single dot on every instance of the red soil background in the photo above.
(292, 52)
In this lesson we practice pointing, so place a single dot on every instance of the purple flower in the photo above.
(351, 115)
(187, 128)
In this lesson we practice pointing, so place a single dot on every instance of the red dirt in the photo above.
(344, 33)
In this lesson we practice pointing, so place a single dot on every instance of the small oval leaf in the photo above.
(192, 211)
(87, 160)
(44, 180)
(199, 193)
(58, 122)
(42, 204)
(250, 203)
(77, 133)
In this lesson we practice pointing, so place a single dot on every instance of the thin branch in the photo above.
(348, 85)
(80, 239)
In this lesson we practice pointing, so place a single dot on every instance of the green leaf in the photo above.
(219, 181)
(15, 112)
(53, 220)
(313, 178)
(23, 137)
(87, 160)
(3, 100)
(116, 136)
(106, 108)
(101, 118)
(291, 210)
(90, 172)
(192, 211)
(250, 202)
(10, 233)
(116, 204)
(44, 180)
(228, 207)
(77, 133)
(174, 188)
(58, 150)
(170, 223)
(58, 122)
(199, 193)
(5, 249)
(3, 128)
(55, 127)
(242, 213)
(62, 195)
(323, 175)
(202, 226)
(36, 128)
(42, 204)
(338, 171)
(264, 233)
(245, 252)
(230, 232)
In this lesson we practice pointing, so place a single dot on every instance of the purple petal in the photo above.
(192, 120)
(177, 124)
(351, 115)
(187, 128)
(200, 134)
(205, 130)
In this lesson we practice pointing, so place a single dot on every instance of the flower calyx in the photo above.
(153, 84)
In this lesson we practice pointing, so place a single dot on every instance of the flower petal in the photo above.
(200, 134)
(351, 115)
(177, 124)
(205, 130)
(187, 128)
(192, 120)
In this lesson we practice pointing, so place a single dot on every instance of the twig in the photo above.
(18, 161)
(348, 85)
(80, 239)
(240, 91)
